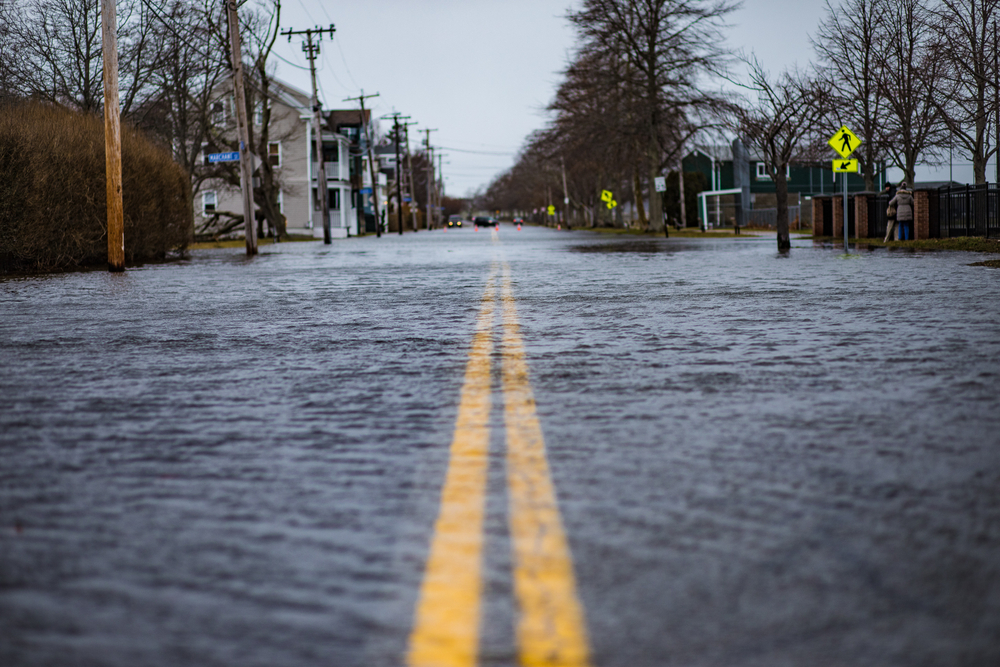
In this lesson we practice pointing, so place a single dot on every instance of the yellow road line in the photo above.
(551, 631)
(446, 628)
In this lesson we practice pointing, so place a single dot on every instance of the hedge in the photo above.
(52, 192)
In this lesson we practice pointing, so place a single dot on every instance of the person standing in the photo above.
(890, 211)
(903, 201)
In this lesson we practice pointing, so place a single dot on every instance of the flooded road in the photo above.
(754, 460)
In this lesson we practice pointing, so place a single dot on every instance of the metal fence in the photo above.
(768, 217)
(968, 210)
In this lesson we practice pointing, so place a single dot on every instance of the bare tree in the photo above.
(966, 101)
(669, 46)
(778, 120)
(58, 43)
(850, 74)
(909, 73)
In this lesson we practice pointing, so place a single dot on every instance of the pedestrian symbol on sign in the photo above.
(844, 142)
(552, 209)
(608, 199)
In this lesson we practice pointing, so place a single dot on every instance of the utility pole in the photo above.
(996, 99)
(440, 183)
(243, 131)
(312, 50)
(430, 174)
(399, 176)
(409, 170)
(112, 138)
(371, 159)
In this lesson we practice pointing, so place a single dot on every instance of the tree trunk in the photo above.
(637, 189)
(781, 194)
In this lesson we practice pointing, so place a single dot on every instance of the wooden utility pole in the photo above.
(312, 50)
(243, 131)
(399, 172)
(409, 170)
(371, 160)
(430, 174)
(112, 138)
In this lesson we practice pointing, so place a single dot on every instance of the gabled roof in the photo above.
(338, 118)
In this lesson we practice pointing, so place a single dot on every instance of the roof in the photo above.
(337, 118)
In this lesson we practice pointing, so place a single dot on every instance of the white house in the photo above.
(292, 152)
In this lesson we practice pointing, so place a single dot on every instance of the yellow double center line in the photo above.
(550, 628)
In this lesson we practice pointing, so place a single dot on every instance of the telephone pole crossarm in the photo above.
(311, 50)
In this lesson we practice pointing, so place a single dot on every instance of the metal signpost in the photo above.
(844, 142)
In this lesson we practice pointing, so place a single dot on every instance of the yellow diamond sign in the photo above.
(552, 210)
(844, 142)
(845, 166)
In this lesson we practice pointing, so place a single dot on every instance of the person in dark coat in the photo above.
(903, 201)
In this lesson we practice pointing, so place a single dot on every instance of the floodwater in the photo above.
(759, 459)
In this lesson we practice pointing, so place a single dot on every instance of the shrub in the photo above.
(52, 192)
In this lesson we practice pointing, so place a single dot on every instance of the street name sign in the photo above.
(224, 157)
(844, 142)
(845, 166)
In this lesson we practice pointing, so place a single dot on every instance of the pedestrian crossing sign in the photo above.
(844, 142)
(845, 166)
(552, 209)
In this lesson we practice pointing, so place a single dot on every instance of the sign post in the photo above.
(844, 142)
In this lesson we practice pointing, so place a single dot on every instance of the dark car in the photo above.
(480, 221)
(454, 221)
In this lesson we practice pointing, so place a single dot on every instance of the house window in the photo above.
(274, 153)
(209, 201)
(281, 201)
(258, 112)
(219, 112)
(331, 152)
(763, 175)
(334, 200)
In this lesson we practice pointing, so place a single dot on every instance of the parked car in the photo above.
(481, 221)
(454, 221)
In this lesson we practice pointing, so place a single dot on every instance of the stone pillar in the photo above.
(838, 216)
(861, 200)
(817, 210)
(921, 214)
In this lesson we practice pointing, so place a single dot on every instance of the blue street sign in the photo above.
(366, 191)
(224, 157)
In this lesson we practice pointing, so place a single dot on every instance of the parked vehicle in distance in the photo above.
(454, 221)
(481, 221)
(518, 221)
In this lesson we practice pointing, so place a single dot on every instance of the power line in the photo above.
(460, 150)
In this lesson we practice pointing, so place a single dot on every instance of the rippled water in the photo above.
(761, 460)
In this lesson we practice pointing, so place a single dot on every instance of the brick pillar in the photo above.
(921, 215)
(817, 206)
(838, 216)
(861, 214)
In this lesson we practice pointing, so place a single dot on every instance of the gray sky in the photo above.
(482, 71)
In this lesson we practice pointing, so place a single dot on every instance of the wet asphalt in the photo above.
(759, 459)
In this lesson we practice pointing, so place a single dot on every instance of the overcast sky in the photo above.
(482, 71)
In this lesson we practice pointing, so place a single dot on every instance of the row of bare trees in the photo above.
(174, 76)
(913, 78)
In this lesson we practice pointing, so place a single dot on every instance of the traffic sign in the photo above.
(608, 199)
(845, 166)
(661, 184)
(844, 142)
(552, 209)
(224, 157)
